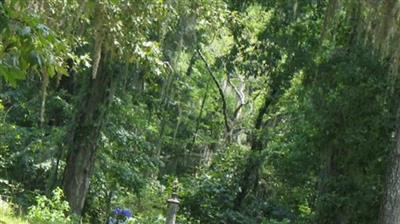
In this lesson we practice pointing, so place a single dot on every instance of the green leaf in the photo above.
(11, 74)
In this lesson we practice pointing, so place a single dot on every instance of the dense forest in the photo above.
(249, 111)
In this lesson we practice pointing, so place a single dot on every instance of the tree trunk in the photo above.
(391, 204)
(84, 140)
(45, 83)
(330, 173)
(250, 176)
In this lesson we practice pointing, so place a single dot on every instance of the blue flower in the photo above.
(123, 212)
(117, 211)
(127, 213)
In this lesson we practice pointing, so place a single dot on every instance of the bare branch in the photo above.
(240, 96)
(45, 83)
(238, 93)
(221, 92)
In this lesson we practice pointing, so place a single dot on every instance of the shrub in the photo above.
(50, 211)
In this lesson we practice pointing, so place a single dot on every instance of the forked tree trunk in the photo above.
(250, 177)
(84, 140)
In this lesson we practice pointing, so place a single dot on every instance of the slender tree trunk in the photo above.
(178, 123)
(45, 83)
(54, 177)
(203, 102)
(329, 174)
(85, 135)
(390, 213)
(220, 91)
(250, 176)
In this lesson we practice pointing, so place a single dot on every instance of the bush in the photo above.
(50, 211)
(147, 220)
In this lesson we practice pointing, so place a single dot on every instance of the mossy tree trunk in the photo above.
(84, 137)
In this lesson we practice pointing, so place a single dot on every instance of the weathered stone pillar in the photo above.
(173, 204)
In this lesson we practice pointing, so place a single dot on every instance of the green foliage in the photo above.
(310, 107)
(7, 214)
(50, 210)
(276, 222)
(26, 44)
(209, 197)
(147, 220)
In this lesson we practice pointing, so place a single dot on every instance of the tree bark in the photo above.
(45, 83)
(85, 135)
(250, 176)
(390, 213)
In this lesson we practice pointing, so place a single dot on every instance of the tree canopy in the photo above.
(270, 112)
